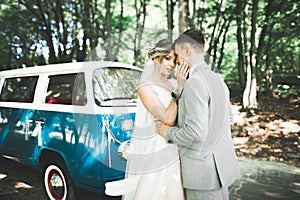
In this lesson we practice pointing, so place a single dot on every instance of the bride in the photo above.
(153, 166)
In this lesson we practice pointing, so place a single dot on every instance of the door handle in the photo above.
(37, 132)
(27, 127)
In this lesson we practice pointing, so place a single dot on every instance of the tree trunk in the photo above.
(80, 50)
(269, 82)
(48, 33)
(182, 8)
(108, 41)
(170, 10)
(223, 43)
(193, 16)
(221, 28)
(241, 57)
(140, 24)
(264, 47)
(118, 45)
(250, 92)
(213, 41)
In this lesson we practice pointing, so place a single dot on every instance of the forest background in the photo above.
(253, 44)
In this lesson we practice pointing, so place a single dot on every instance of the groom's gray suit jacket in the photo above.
(203, 132)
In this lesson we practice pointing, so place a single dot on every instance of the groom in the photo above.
(208, 160)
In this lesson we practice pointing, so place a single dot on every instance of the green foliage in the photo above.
(18, 43)
(79, 32)
(288, 91)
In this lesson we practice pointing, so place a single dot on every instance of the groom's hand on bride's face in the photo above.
(161, 128)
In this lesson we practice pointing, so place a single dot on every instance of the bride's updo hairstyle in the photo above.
(161, 49)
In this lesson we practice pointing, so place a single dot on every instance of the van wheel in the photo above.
(57, 182)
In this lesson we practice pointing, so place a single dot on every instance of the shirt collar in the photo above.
(201, 65)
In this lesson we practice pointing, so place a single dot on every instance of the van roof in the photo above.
(65, 67)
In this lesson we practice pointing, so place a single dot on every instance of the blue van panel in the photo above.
(81, 139)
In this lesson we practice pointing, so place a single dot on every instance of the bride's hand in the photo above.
(182, 73)
(161, 128)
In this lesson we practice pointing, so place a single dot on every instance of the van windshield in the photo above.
(115, 84)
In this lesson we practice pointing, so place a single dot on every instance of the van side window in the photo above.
(19, 89)
(68, 89)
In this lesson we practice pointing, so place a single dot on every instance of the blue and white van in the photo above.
(69, 120)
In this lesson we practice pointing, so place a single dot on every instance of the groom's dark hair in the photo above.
(192, 36)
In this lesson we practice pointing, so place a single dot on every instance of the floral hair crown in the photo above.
(158, 51)
(151, 51)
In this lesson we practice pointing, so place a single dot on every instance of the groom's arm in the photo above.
(195, 126)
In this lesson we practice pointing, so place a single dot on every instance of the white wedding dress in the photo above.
(153, 166)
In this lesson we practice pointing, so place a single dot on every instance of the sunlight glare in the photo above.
(2, 176)
(22, 185)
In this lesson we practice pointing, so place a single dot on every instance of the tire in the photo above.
(57, 182)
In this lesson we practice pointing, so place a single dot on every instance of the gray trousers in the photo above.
(217, 194)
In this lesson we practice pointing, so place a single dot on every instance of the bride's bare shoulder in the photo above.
(145, 82)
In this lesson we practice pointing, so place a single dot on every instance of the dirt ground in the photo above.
(21, 182)
(270, 132)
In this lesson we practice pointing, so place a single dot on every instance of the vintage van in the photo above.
(69, 120)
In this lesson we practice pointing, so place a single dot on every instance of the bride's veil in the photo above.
(135, 151)
(141, 159)
(141, 131)
(147, 71)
